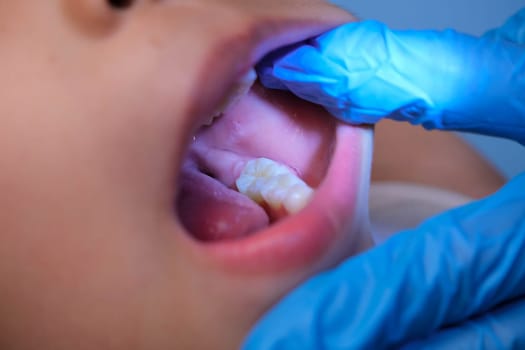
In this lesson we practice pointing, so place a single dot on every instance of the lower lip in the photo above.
(307, 237)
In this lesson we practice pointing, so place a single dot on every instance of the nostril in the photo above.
(95, 18)
(121, 4)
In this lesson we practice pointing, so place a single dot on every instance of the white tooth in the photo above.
(297, 198)
(266, 181)
(241, 88)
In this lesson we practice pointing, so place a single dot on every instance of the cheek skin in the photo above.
(79, 210)
(90, 254)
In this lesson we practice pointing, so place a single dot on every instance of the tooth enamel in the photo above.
(266, 181)
(243, 85)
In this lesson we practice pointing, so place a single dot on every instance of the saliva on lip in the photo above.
(268, 182)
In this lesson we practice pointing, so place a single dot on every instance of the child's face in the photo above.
(99, 194)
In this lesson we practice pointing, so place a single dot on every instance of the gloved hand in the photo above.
(406, 292)
(457, 281)
(362, 72)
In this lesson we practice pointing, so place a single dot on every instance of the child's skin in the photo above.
(97, 108)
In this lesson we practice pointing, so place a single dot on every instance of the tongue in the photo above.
(211, 211)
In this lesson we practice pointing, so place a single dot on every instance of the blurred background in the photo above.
(469, 16)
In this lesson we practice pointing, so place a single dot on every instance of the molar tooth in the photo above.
(266, 181)
(297, 197)
(272, 193)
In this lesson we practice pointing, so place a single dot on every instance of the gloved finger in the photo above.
(455, 266)
(501, 329)
(362, 72)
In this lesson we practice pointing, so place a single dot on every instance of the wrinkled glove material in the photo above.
(362, 72)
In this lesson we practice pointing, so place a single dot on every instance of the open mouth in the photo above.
(273, 182)
(253, 165)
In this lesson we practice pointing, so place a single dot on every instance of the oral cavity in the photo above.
(266, 182)
(225, 192)
(274, 185)
(264, 192)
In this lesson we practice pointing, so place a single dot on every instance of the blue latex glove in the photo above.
(453, 268)
(362, 72)
(457, 281)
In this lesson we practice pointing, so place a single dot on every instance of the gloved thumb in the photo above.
(502, 329)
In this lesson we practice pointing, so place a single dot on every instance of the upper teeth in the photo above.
(266, 181)
(241, 87)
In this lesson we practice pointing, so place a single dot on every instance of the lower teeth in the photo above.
(268, 182)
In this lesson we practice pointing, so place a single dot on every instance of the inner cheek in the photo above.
(310, 150)
(295, 133)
